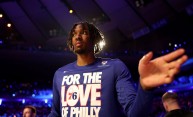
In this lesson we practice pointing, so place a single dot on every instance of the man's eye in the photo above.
(80, 33)
(73, 34)
(85, 32)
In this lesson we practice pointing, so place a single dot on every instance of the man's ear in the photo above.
(166, 107)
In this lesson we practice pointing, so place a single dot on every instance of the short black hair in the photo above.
(95, 35)
(32, 108)
(169, 95)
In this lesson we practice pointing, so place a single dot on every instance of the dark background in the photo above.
(35, 46)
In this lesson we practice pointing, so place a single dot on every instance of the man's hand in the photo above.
(159, 71)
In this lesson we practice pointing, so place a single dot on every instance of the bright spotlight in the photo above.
(1, 15)
(70, 11)
(9, 25)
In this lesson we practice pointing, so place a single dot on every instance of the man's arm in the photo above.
(135, 102)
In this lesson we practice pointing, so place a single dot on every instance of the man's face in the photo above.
(81, 40)
(27, 112)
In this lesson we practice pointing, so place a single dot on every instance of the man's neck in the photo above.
(174, 107)
(83, 60)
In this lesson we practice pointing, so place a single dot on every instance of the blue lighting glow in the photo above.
(33, 95)
(170, 91)
(23, 101)
(13, 94)
(46, 101)
(44, 94)
(188, 64)
(1, 101)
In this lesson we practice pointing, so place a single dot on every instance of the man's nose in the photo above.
(78, 36)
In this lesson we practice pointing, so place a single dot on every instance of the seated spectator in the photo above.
(29, 111)
(172, 106)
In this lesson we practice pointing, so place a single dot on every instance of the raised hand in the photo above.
(161, 70)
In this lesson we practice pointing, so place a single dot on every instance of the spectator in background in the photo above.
(29, 111)
(172, 106)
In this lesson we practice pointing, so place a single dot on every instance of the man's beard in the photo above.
(79, 51)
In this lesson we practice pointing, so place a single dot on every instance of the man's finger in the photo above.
(174, 55)
(146, 58)
(177, 63)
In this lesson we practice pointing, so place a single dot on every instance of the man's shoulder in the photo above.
(114, 60)
(67, 66)
(179, 113)
(189, 113)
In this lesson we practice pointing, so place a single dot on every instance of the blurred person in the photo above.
(103, 87)
(172, 106)
(29, 111)
(190, 106)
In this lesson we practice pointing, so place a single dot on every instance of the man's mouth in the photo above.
(78, 44)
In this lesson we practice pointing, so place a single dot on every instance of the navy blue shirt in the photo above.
(101, 89)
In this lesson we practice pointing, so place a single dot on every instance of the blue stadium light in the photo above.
(1, 42)
(23, 101)
(44, 94)
(1, 101)
(49, 105)
(13, 94)
(46, 101)
(170, 91)
(188, 64)
(33, 95)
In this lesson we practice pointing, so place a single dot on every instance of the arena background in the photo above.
(33, 44)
